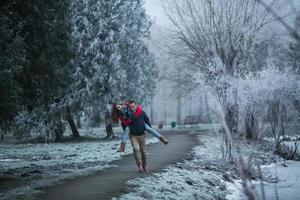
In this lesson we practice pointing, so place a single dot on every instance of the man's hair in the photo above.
(131, 102)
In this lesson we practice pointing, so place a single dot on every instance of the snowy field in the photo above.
(286, 176)
(287, 184)
(26, 167)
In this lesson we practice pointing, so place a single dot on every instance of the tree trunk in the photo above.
(191, 104)
(165, 112)
(201, 107)
(59, 130)
(108, 125)
(228, 126)
(250, 126)
(297, 105)
(207, 115)
(179, 109)
(151, 110)
(72, 123)
(226, 145)
(78, 122)
(2, 132)
(231, 118)
(109, 130)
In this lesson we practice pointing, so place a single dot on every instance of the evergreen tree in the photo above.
(112, 62)
(12, 59)
(136, 60)
(46, 34)
(35, 52)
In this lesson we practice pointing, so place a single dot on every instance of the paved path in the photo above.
(111, 182)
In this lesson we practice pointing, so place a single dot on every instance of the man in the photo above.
(137, 135)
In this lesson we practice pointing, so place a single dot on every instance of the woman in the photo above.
(121, 112)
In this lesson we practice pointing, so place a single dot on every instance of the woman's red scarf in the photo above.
(128, 121)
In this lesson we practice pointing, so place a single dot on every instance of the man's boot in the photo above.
(122, 147)
(141, 168)
(145, 168)
(144, 162)
(164, 140)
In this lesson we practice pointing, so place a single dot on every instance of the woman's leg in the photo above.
(152, 131)
(156, 134)
(125, 134)
(124, 139)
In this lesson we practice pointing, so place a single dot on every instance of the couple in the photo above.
(134, 122)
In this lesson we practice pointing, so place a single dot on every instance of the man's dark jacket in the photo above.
(137, 126)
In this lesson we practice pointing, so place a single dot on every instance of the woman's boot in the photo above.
(164, 140)
(122, 147)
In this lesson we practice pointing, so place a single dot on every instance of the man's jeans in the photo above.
(139, 149)
(148, 129)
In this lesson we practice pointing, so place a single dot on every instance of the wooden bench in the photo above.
(192, 120)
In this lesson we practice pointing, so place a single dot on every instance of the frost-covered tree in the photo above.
(46, 34)
(96, 53)
(218, 39)
(267, 96)
(138, 72)
(112, 61)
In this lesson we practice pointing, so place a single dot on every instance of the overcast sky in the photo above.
(155, 10)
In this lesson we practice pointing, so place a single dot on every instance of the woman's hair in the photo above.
(115, 113)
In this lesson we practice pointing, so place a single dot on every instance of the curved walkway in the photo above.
(111, 182)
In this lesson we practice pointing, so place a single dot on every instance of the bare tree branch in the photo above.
(290, 29)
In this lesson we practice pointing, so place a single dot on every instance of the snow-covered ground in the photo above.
(287, 185)
(27, 166)
(203, 177)
(281, 178)
(190, 179)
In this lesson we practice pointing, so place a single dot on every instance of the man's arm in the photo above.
(146, 119)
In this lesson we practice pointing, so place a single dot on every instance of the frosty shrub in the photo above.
(34, 124)
(23, 125)
(267, 95)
